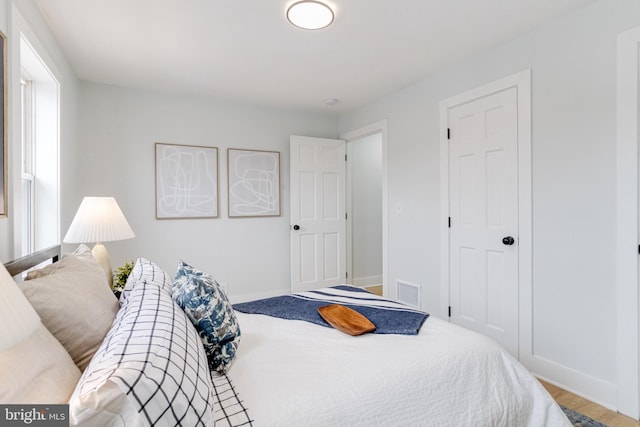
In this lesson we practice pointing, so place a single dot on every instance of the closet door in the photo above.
(483, 198)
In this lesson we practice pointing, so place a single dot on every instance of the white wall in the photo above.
(22, 17)
(573, 88)
(118, 128)
(366, 209)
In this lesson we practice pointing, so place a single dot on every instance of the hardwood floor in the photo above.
(590, 409)
(376, 289)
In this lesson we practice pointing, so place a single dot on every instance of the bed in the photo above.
(154, 366)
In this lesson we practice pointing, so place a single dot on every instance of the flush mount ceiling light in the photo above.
(310, 15)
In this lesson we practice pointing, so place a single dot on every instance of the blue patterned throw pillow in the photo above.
(207, 306)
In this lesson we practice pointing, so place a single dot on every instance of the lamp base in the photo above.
(102, 256)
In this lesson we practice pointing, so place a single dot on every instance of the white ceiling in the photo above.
(246, 50)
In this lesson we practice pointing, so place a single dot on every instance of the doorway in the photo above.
(367, 207)
(364, 212)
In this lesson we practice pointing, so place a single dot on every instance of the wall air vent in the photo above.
(408, 293)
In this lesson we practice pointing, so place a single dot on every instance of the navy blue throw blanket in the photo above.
(390, 317)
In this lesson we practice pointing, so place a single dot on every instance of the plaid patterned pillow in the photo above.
(207, 306)
(151, 368)
(145, 271)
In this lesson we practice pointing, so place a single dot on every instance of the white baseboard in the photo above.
(594, 389)
(366, 281)
(260, 295)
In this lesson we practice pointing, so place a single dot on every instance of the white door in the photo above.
(483, 208)
(318, 224)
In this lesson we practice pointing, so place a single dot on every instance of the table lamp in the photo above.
(99, 219)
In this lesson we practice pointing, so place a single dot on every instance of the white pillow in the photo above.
(150, 370)
(37, 370)
(34, 367)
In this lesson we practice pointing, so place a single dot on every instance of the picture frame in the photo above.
(253, 183)
(186, 181)
(4, 164)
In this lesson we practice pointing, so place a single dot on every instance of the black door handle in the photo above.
(296, 227)
(508, 240)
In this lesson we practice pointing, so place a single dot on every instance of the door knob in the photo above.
(296, 227)
(508, 240)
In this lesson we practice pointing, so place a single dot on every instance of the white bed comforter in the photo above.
(293, 373)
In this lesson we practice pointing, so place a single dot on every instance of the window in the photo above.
(28, 178)
(39, 198)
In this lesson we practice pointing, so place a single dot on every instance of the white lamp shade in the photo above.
(99, 219)
(18, 319)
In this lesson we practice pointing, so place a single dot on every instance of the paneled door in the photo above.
(318, 209)
(483, 207)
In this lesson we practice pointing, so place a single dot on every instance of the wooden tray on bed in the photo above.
(346, 320)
